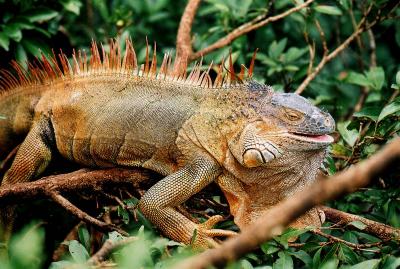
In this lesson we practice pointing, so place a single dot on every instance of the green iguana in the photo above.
(259, 146)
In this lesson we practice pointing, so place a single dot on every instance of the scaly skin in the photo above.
(259, 146)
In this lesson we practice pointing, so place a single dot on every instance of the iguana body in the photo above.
(259, 146)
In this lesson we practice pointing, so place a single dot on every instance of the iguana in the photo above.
(257, 145)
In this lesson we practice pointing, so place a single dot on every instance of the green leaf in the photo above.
(26, 249)
(389, 109)
(396, 86)
(303, 256)
(371, 112)
(357, 79)
(317, 258)
(390, 262)
(332, 263)
(346, 254)
(376, 77)
(61, 265)
(346, 4)
(243, 8)
(73, 6)
(4, 41)
(283, 262)
(13, 32)
(358, 224)
(350, 136)
(78, 251)
(115, 236)
(21, 56)
(122, 212)
(370, 264)
(289, 234)
(41, 14)
(330, 10)
(294, 53)
(84, 236)
(269, 247)
(276, 48)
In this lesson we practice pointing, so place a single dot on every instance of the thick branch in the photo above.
(81, 179)
(274, 221)
(246, 28)
(384, 232)
(183, 38)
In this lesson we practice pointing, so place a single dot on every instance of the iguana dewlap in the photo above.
(259, 146)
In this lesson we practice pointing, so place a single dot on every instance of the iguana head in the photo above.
(285, 122)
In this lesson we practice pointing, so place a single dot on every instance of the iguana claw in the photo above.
(205, 233)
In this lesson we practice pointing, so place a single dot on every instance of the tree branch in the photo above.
(384, 232)
(78, 180)
(108, 247)
(361, 27)
(274, 221)
(183, 38)
(246, 28)
(67, 205)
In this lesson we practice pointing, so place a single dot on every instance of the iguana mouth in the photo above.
(321, 139)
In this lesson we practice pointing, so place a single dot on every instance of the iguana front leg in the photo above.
(32, 158)
(159, 201)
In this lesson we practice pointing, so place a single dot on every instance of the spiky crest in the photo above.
(45, 70)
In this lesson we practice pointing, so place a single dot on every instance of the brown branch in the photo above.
(246, 28)
(274, 221)
(71, 182)
(183, 38)
(326, 58)
(322, 36)
(361, 27)
(67, 205)
(383, 231)
(333, 239)
(108, 247)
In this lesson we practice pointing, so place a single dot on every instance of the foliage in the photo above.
(360, 88)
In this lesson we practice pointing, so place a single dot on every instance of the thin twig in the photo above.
(351, 245)
(67, 205)
(246, 28)
(361, 27)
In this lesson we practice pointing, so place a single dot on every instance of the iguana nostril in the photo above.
(327, 122)
(253, 158)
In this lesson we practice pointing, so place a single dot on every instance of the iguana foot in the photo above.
(204, 236)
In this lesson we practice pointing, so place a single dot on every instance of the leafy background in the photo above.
(359, 88)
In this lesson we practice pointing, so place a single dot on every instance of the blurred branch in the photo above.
(108, 247)
(274, 221)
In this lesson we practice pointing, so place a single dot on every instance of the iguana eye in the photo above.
(293, 116)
